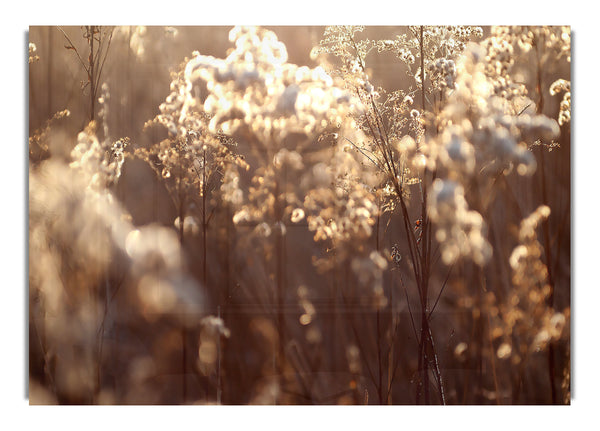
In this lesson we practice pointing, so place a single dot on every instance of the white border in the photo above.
(13, 228)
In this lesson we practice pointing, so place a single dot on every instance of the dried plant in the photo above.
(98, 40)
(33, 57)
(339, 233)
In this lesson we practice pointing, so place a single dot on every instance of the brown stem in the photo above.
(359, 343)
(421, 48)
(279, 279)
(423, 361)
(184, 363)
(379, 359)
(493, 360)
(180, 192)
(479, 330)
(550, 299)
(49, 74)
(91, 76)
(204, 222)
(378, 324)
(546, 228)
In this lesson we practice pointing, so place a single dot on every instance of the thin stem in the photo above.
(493, 360)
(279, 273)
(441, 291)
(423, 358)
(204, 221)
(546, 227)
(421, 49)
(180, 192)
(91, 74)
(379, 359)
(49, 73)
(378, 317)
(359, 343)
(71, 46)
(436, 368)
(219, 361)
(412, 319)
(104, 59)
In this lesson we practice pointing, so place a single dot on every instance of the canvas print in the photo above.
(299, 215)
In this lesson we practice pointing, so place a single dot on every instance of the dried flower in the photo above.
(33, 57)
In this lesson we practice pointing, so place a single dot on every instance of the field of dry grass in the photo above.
(300, 215)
